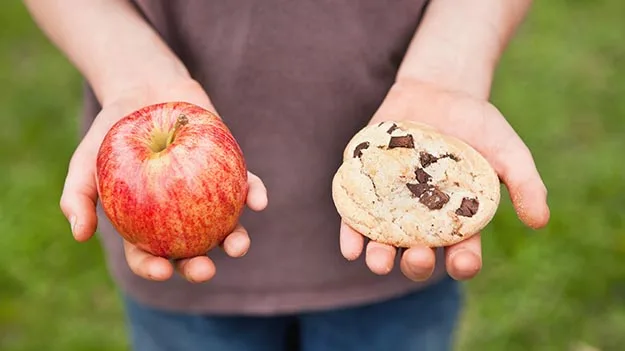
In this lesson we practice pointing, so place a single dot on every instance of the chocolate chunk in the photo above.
(380, 124)
(426, 159)
(359, 148)
(418, 189)
(422, 176)
(451, 156)
(401, 141)
(434, 198)
(468, 207)
(392, 128)
(429, 195)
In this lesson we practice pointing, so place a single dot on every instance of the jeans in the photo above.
(424, 320)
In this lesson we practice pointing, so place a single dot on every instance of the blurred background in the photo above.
(562, 86)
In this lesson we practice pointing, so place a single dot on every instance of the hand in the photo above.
(78, 201)
(482, 126)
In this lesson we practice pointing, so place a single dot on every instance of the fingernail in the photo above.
(420, 274)
(72, 224)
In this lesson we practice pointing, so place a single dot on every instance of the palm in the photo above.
(80, 195)
(482, 126)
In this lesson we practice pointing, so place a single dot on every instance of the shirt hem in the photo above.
(252, 303)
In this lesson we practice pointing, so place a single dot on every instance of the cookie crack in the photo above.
(375, 189)
(359, 205)
(395, 221)
(353, 199)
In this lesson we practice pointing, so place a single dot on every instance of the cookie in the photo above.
(405, 184)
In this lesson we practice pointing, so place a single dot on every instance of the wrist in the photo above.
(156, 74)
(465, 76)
(110, 43)
(459, 43)
(466, 66)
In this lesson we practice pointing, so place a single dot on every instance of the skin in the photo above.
(444, 80)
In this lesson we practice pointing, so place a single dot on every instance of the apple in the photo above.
(172, 179)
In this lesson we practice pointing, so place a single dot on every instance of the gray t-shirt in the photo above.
(294, 80)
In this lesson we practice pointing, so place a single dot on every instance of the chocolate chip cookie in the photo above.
(404, 184)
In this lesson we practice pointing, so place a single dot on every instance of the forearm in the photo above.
(108, 42)
(459, 43)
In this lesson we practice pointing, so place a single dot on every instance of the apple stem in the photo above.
(181, 121)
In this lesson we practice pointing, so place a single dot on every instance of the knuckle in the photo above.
(134, 267)
(64, 203)
(132, 261)
(75, 159)
(189, 275)
(412, 274)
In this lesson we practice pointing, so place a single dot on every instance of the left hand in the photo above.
(482, 126)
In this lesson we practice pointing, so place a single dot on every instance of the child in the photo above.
(294, 80)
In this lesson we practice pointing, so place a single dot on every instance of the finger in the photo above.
(351, 242)
(380, 257)
(237, 243)
(257, 194)
(527, 190)
(78, 200)
(464, 259)
(417, 263)
(145, 265)
(197, 269)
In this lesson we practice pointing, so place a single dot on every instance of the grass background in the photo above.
(562, 86)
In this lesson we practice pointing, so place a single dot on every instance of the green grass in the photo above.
(560, 85)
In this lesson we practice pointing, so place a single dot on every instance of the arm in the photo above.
(459, 43)
(445, 81)
(108, 42)
(128, 66)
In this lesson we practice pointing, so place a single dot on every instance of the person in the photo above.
(294, 81)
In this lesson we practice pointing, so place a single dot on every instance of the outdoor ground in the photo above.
(562, 86)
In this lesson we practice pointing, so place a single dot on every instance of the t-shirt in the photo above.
(294, 81)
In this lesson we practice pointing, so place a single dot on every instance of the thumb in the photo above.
(257, 193)
(528, 193)
(78, 200)
(495, 138)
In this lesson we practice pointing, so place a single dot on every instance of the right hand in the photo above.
(79, 197)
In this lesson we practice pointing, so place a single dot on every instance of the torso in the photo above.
(294, 80)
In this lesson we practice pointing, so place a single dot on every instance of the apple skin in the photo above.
(183, 200)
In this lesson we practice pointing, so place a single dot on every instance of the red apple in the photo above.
(172, 179)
